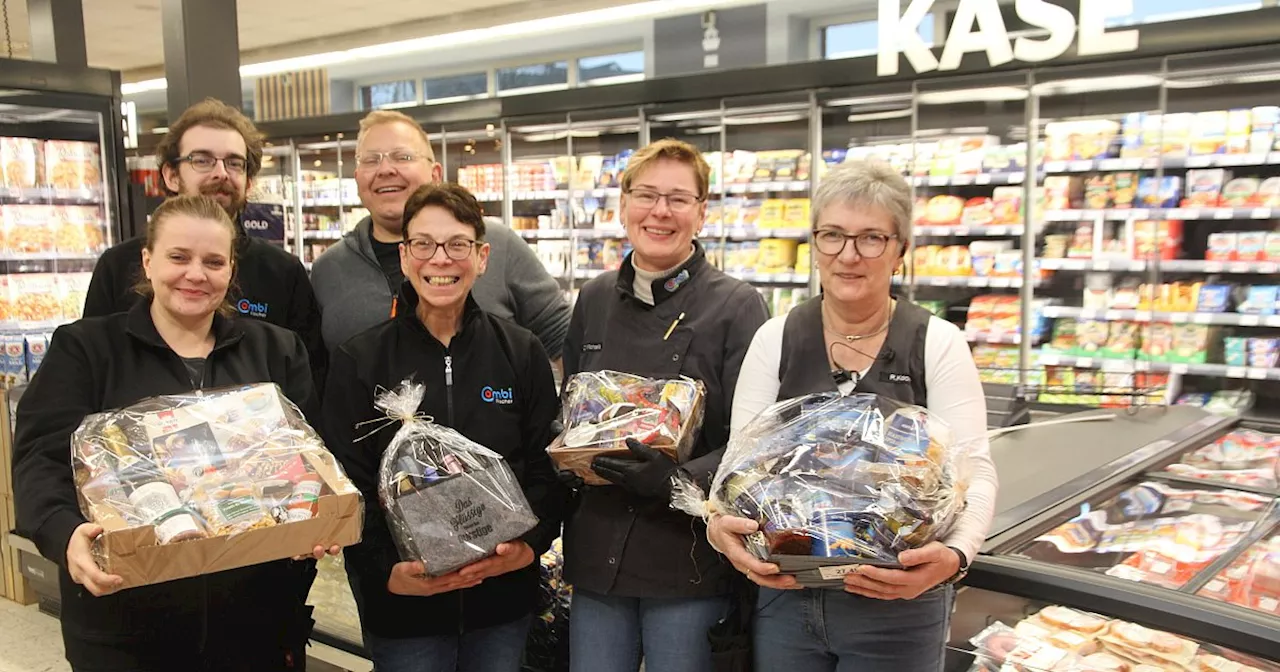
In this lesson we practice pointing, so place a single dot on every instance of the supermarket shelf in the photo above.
(607, 192)
(1211, 161)
(757, 278)
(1091, 265)
(329, 203)
(960, 281)
(994, 338)
(1228, 319)
(49, 195)
(544, 234)
(322, 235)
(11, 326)
(991, 231)
(47, 256)
(1176, 265)
(762, 187)
(1131, 365)
(1140, 214)
(753, 233)
(967, 180)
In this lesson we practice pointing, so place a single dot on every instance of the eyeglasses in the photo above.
(204, 162)
(369, 160)
(678, 201)
(868, 245)
(424, 249)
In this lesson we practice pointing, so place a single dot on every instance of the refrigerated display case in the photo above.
(1090, 517)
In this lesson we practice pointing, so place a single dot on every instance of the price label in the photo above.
(1250, 320)
(940, 282)
(1199, 161)
(1179, 369)
(937, 181)
(1049, 360)
(1261, 213)
(1080, 166)
(1017, 178)
(1241, 268)
(1270, 604)
(1203, 318)
(982, 179)
(1055, 166)
(1001, 282)
(977, 282)
(1214, 267)
(1089, 313)
(1085, 362)
(1224, 213)
(1141, 214)
(1131, 164)
(962, 180)
(1178, 213)
(961, 230)
(1113, 366)
(1257, 374)
(1144, 316)
(1268, 268)
(1102, 265)
(1111, 164)
(1114, 315)
(1235, 372)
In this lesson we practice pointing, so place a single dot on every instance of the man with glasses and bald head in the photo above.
(358, 279)
(215, 151)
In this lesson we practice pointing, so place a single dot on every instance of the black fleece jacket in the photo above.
(103, 363)
(489, 353)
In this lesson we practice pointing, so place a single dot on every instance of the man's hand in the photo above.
(511, 556)
(726, 535)
(926, 567)
(410, 578)
(647, 472)
(570, 480)
(81, 565)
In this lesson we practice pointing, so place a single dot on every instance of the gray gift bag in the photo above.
(449, 501)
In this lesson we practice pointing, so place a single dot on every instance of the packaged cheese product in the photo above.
(1204, 187)
(1240, 192)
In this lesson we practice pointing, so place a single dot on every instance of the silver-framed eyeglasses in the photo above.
(678, 201)
(368, 160)
(457, 249)
(204, 162)
(869, 245)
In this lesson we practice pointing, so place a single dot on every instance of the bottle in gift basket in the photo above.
(155, 502)
(304, 500)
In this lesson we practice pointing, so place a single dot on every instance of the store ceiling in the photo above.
(126, 34)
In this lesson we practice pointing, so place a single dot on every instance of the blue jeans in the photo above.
(611, 634)
(496, 649)
(834, 631)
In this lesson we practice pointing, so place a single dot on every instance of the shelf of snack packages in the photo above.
(1129, 192)
(760, 240)
(52, 229)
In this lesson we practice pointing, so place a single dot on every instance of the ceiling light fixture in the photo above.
(465, 38)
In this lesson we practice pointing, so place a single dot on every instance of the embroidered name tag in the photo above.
(592, 347)
(900, 378)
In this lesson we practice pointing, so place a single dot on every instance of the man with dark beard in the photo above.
(214, 150)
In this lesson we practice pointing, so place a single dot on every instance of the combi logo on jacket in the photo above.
(247, 307)
(490, 395)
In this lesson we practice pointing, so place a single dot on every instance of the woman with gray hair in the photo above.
(856, 336)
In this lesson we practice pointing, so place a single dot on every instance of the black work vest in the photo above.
(897, 373)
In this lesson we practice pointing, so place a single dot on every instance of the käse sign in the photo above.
(978, 26)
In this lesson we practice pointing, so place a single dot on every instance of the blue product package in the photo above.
(908, 430)
(36, 344)
(1235, 351)
(1214, 299)
(833, 533)
(1260, 300)
(15, 359)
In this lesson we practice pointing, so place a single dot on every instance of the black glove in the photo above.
(570, 480)
(647, 472)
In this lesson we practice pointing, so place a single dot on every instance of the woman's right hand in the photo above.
(726, 535)
(410, 578)
(83, 568)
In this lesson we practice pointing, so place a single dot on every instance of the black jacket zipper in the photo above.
(448, 395)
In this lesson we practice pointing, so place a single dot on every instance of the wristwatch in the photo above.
(960, 573)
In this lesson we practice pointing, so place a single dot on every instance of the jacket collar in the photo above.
(666, 286)
(358, 239)
(408, 310)
(226, 331)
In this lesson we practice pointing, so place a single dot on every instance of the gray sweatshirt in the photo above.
(354, 294)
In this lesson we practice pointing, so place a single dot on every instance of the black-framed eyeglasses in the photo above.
(204, 162)
(398, 158)
(457, 249)
(677, 201)
(870, 245)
